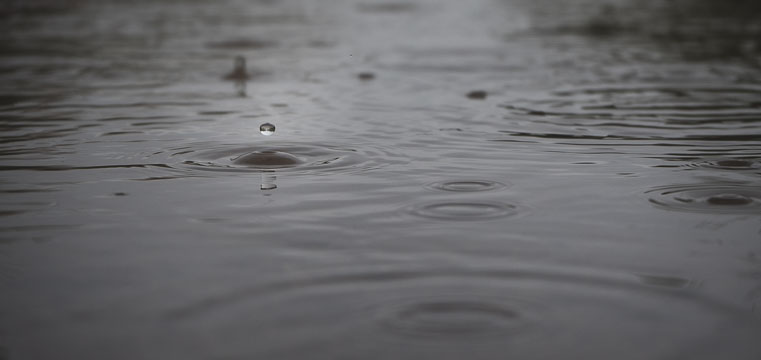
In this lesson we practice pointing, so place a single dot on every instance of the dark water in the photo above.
(492, 179)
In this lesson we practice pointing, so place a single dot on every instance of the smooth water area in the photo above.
(487, 179)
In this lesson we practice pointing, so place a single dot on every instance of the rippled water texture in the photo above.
(416, 179)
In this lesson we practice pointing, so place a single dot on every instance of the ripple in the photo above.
(241, 44)
(453, 315)
(451, 60)
(512, 311)
(285, 157)
(466, 185)
(708, 198)
(643, 112)
(729, 164)
(386, 7)
(463, 210)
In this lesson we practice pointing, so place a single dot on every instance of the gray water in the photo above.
(490, 179)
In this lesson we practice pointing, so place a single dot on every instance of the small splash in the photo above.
(267, 158)
(267, 129)
(466, 185)
(304, 157)
(464, 210)
(708, 198)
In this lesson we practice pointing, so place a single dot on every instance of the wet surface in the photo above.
(380, 179)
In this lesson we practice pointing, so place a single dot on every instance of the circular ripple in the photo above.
(466, 185)
(707, 198)
(642, 112)
(454, 315)
(285, 157)
(730, 164)
(515, 312)
(463, 210)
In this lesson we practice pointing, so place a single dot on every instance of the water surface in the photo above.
(488, 179)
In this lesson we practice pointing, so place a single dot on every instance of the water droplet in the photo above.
(267, 129)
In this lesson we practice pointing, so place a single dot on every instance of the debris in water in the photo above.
(366, 76)
(477, 95)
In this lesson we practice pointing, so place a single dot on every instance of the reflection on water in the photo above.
(239, 75)
(268, 182)
(486, 180)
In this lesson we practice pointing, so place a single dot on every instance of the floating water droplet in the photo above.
(267, 129)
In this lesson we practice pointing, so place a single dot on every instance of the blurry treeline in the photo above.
(698, 29)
